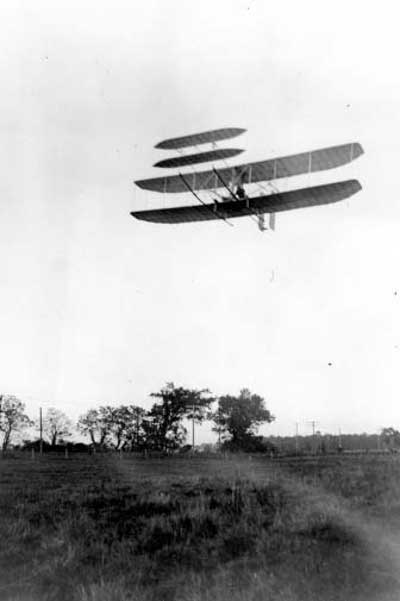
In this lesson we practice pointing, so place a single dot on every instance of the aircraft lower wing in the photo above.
(272, 203)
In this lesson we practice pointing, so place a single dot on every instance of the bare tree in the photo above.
(12, 418)
(56, 425)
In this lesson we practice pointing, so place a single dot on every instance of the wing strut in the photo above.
(257, 217)
(214, 211)
(231, 192)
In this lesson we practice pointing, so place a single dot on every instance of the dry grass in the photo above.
(101, 528)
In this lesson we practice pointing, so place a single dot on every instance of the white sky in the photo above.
(96, 307)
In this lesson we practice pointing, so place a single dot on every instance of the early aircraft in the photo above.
(238, 183)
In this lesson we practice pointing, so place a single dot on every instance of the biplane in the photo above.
(245, 190)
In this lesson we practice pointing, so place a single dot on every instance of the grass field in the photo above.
(101, 528)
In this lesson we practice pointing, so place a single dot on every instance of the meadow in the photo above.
(111, 528)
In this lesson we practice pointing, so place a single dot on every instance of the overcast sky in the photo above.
(96, 307)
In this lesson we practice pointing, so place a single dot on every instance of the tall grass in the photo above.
(94, 529)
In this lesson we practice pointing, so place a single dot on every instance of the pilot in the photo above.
(240, 192)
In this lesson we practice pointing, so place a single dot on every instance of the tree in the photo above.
(118, 427)
(95, 424)
(163, 426)
(135, 439)
(125, 424)
(56, 425)
(198, 408)
(238, 419)
(390, 438)
(12, 418)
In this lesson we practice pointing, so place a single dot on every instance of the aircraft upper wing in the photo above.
(273, 203)
(204, 137)
(306, 162)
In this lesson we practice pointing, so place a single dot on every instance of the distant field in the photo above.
(104, 528)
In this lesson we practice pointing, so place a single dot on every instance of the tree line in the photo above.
(388, 439)
(235, 420)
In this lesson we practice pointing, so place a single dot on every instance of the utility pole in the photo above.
(193, 428)
(137, 429)
(219, 427)
(41, 431)
(313, 424)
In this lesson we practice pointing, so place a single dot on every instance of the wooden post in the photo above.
(66, 452)
(33, 453)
